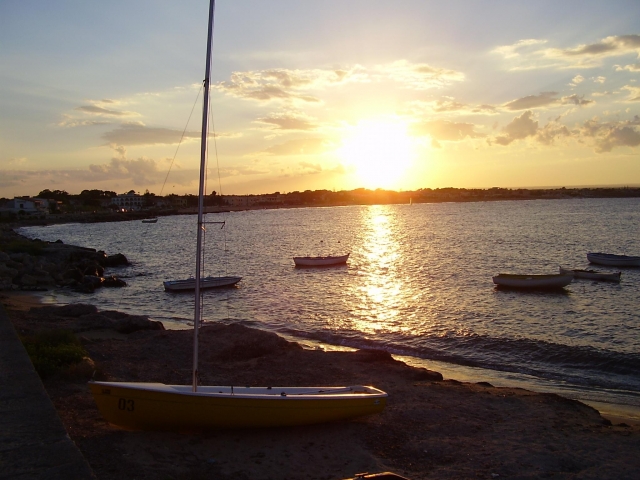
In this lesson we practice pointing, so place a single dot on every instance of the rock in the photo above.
(73, 274)
(94, 270)
(93, 281)
(115, 260)
(113, 281)
(134, 323)
(372, 355)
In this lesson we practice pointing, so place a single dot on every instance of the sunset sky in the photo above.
(330, 95)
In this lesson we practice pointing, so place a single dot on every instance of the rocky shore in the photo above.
(431, 428)
(27, 264)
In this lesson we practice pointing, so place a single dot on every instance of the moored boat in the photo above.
(592, 274)
(150, 220)
(557, 280)
(320, 261)
(613, 260)
(205, 282)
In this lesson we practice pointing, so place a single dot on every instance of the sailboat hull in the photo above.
(156, 406)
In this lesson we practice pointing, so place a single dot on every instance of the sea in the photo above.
(418, 284)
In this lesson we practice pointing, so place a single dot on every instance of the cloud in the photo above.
(532, 101)
(550, 132)
(575, 100)
(302, 146)
(135, 134)
(93, 109)
(527, 54)
(305, 85)
(607, 47)
(142, 172)
(443, 130)
(518, 48)
(282, 84)
(418, 76)
(634, 93)
(578, 79)
(68, 122)
(288, 121)
(311, 168)
(607, 136)
(634, 67)
(447, 105)
(520, 127)
(545, 99)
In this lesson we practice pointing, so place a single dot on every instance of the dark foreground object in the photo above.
(33, 442)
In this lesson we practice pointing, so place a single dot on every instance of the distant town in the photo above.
(99, 202)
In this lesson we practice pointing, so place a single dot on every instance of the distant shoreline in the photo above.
(365, 197)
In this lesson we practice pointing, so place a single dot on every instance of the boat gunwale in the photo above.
(324, 393)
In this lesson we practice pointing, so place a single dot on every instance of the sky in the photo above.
(336, 95)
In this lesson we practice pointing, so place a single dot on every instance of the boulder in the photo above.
(116, 260)
(113, 281)
(134, 323)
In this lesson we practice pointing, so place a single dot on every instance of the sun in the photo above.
(379, 152)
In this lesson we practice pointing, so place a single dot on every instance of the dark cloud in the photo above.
(519, 128)
(614, 45)
(532, 101)
(575, 100)
(550, 132)
(607, 136)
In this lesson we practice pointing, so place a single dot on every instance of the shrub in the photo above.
(53, 351)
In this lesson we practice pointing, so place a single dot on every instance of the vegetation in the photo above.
(53, 351)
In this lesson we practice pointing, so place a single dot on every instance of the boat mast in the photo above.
(203, 166)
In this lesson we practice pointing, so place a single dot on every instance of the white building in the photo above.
(128, 201)
(27, 206)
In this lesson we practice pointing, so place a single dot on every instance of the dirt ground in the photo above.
(430, 429)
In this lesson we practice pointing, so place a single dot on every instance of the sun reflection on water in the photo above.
(378, 295)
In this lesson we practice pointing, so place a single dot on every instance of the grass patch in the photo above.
(53, 351)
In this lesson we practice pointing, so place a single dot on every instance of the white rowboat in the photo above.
(612, 260)
(593, 275)
(533, 281)
(205, 282)
(320, 261)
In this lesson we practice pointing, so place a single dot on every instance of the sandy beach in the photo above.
(430, 429)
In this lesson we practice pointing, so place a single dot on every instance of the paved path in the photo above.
(33, 441)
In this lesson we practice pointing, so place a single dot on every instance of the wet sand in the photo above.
(430, 428)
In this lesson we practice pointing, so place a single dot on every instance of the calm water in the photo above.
(418, 284)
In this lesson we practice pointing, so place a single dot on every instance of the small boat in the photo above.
(320, 261)
(593, 275)
(150, 220)
(205, 282)
(612, 260)
(557, 280)
(157, 406)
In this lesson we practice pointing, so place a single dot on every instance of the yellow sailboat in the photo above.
(156, 406)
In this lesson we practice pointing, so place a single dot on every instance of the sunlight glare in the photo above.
(379, 152)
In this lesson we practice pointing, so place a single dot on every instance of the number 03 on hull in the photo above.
(156, 406)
